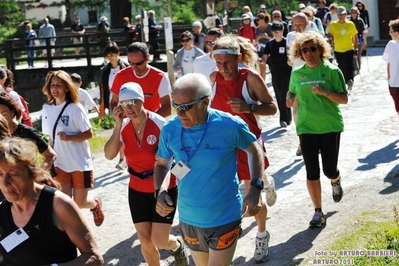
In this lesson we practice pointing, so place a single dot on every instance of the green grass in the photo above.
(97, 144)
(368, 235)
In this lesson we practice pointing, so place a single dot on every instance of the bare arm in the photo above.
(113, 145)
(114, 102)
(166, 106)
(49, 158)
(251, 204)
(258, 91)
(388, 71)
(88, 134)
(340, 98)
(161, 181)
(69, 218)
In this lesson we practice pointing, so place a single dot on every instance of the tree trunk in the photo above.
(119, 10)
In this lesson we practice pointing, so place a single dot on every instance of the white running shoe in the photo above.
(262, 248)
(271, 194)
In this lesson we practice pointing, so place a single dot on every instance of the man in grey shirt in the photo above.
(47, 30)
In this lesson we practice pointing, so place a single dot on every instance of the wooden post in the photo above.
(170, 60)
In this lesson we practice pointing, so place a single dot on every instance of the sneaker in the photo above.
(337, 191)
(271, 195)
(317, 220)
(180, 255)
(121, 165)
(350, 84)
(299, 151)
(262, 248)
(283, 124)
(98, 214)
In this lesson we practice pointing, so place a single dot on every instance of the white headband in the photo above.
(225, 51)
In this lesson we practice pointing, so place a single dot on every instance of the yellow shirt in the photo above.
(343, 35)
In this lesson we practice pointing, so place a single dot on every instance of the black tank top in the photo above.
(46, 243)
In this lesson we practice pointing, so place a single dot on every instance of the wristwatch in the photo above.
(156, 193)
(257, 182)
(252, 108)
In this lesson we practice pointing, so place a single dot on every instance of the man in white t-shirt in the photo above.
(204, 64)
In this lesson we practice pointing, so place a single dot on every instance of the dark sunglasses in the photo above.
(185, 40)
(311, 49)
(186, 106)
(138, 63)
(210, 42)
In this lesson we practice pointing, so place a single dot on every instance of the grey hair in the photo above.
(197, 82)
(276, 12)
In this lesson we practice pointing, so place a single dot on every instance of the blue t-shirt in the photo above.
(208, 194)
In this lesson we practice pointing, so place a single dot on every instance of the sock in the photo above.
(178, 246)
(335, 180)
(318, 210)
(261, 235)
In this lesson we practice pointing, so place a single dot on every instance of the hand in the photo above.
(102, 115)
(251, 204)
(289, 100)
(164, 204)
(117, 113)
(356, 53)
(63, 136)
(318, 90)
(238, 105)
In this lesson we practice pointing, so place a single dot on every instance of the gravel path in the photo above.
(368, 163)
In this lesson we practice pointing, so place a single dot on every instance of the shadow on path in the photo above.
(385, 155)
(273, 133)
(393, 178)
(288, 171)
(110, 177)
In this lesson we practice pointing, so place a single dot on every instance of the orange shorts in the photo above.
(76, 179)
(242, 162)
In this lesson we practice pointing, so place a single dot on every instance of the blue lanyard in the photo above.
(191, 154)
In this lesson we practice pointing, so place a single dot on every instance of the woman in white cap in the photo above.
(198, 35)
(139, 134)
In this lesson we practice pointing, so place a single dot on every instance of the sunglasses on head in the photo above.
(311, 49)
(129, 104)
(138, 63)
(186, 106)
(185, 40)
(210, 42)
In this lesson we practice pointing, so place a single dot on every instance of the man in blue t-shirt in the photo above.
(204, 142)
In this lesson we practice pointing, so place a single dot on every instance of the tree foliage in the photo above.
(10, 13)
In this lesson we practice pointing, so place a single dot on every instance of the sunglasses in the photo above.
(185, 40)
(186, 106)
(210, 42)
(311, 49)
(138, 63)
(276, 31)
(128, 104)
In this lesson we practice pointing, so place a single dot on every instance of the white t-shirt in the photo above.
(290, 43)
(391, 55)
(204, 65)
(112, 75)
(71, 156)
(188, 61)
(86, 100)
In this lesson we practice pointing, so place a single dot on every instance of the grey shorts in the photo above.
(216, 238)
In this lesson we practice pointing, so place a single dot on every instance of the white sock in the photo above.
(261, 235)
(178, 246)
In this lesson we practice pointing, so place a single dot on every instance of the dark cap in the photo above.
(187, 34)
(277, 26)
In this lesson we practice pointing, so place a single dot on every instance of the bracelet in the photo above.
(328, 93)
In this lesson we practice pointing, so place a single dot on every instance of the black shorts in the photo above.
(216, 238)
(142, 207)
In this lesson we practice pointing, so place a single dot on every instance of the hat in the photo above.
(245, 16)
(103, 18)
(262, 6)
(302, 6)
(131, 91)
(341, 10)
(197, 24)
(186, 34)
(137, 17)
(277, 26)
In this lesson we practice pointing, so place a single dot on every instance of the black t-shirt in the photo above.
(277, 56)
(30, 133)
(77, 27)
(321, 12)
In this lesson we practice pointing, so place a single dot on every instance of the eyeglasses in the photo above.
(210, 42)
(138, 63)
(311, 49)
(128, 104)
(276, 31)
(185, 40)
(186, 106)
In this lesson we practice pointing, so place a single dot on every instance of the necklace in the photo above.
(141, 126)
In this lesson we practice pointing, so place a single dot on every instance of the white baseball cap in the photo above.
(302, 6)
(197, 24)
(131, 91)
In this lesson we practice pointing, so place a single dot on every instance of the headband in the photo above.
(225, 51)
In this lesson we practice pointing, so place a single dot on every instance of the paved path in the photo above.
(368, 163)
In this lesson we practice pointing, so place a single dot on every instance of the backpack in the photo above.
(25, 116)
